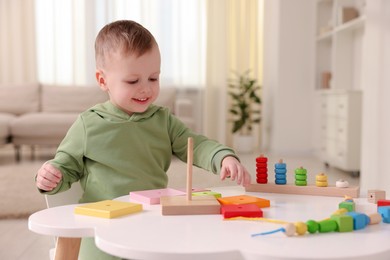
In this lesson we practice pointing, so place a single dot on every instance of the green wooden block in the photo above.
(207, 193)
(348, 205)
(344, 222)
(328, 225)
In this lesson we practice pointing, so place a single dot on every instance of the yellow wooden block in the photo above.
(244, 199)
(108, 209)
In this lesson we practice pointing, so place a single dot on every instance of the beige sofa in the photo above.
(40, 115)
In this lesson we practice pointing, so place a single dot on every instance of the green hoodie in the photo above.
(112, 153)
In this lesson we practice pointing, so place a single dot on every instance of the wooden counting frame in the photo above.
(189, 205)
(331, 191)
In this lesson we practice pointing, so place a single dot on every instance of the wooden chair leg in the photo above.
(32, 147)
(67, 248)
(17, 153)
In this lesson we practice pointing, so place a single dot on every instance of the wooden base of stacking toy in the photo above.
(198, 205)
(331, 191)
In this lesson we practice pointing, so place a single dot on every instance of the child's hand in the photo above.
(48, 177)
(231, 167)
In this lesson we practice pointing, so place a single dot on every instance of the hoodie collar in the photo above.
(111, 112)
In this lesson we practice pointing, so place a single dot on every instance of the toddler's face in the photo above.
(132, 82)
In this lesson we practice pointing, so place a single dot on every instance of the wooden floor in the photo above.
(18, 243)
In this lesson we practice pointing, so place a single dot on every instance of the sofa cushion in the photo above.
(52, 126)
(65, 99)
(5, 119)
(19, 99)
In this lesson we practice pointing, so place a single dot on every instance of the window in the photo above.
(66, 32)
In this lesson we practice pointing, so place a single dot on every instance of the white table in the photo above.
(149, 235)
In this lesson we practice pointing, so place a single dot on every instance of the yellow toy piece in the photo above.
(300, 228)
(321, 183)
(108, 209)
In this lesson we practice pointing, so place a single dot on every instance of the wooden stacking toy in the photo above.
(300, 176)
(321, 180)
(261, 169)
(189, 205)
(280, 173)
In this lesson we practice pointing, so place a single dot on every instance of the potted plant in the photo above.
(245, 109)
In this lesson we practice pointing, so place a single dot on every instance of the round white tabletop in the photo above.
(149, 235)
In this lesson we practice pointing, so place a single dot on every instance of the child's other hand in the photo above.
(231, 167)
(48, 177)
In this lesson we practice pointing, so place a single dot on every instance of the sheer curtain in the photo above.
(17, 44)
(234, 43)
(66, 31)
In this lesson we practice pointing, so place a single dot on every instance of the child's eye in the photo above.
(132, 81)
(153, 79)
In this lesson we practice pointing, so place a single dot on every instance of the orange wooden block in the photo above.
(198, 205)
(244, 199)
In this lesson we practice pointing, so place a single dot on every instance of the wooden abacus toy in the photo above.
(301, 187)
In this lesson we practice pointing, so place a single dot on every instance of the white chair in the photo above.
(71, 196)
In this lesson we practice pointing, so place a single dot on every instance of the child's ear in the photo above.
(101, 80)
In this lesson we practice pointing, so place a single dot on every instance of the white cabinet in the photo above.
(341, 128)
(339, 47)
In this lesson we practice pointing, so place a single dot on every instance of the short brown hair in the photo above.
(124, 35)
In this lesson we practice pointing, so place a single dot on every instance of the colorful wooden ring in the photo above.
(280, 171)
(261, 170)
(280, 166)
(300, 177)
(261, 159)
(262, 175)
(321, 177)
(321, 183)
(280, 181)
(300, 183)
(300, 171)
(262, 181)
(261, 165)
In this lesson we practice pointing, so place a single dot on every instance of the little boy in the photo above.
(126, 143)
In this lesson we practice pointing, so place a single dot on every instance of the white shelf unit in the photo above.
(341, 128)
(339, 45)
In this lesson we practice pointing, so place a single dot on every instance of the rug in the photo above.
(19, 195)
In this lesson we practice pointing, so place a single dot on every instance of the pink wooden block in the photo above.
(153, 196)
(244, 210)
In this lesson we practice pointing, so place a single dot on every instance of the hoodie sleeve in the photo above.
(69, 157)
(208, 153)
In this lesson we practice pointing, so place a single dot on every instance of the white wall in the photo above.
(288, 76)
(375, 170)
